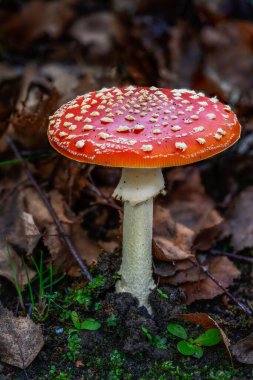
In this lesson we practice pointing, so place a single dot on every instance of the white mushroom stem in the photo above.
(136, 189)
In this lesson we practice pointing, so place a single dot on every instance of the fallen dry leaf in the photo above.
(31, 233)
(9, 89)
(227, 75)
(18, 234)
(20, 339)
(96, 33)
(191, 206)
(11, 266)
(222, 269)
(22, 233)
(168, 269)
(171, 241)
(34, 20)
(37, 101)
(33, 204)
(243, 350)
(64, 78)
(206, 322)
(87, 248)
(239, 222)
(192, 274)
(213, 11)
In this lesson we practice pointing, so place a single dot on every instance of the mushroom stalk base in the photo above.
(137, 188)
(136, 267)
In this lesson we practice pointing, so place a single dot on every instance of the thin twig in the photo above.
(52, 212)
(107, 201)
(217, 282)
(217, 252)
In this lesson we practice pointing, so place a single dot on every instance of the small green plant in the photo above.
(112, 320)
(116, 277)
(74, 345)
(97, 282)
(80, 296)
(162, 294)
(60, 376)
(63, 376)
(97, 306)
(39, 289)
(193, 347)
(116, 362)
(87, 324)
(155, 341)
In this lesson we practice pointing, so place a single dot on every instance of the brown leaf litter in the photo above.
(186, 221)
(12, 267)
(222, 269)
(20, 339)
(239, 222)
(35, 20)
(243, 350)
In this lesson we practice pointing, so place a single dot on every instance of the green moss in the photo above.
(168, 370)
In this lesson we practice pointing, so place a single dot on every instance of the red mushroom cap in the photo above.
(143, 127)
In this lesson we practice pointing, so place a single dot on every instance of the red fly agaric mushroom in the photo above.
(141, 130)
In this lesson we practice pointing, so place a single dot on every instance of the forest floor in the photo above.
(54, 324)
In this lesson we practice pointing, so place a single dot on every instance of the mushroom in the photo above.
(141, 130)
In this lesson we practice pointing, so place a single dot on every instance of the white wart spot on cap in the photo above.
(221, 131)
(129, 117)
(69, 115)
(217, 136)
(181, 146)
(106, 120)
(198, 129)
(147, 148)
(80, 144)
(211, 116)
(201, 141)
(123, 128)
(175, 128)
(87, 127)
(104, 135)
(139, 127)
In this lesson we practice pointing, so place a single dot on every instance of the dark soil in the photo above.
(200, 44)
(121, 350)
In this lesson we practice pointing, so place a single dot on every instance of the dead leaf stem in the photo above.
(217, 252)
(241, 305)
